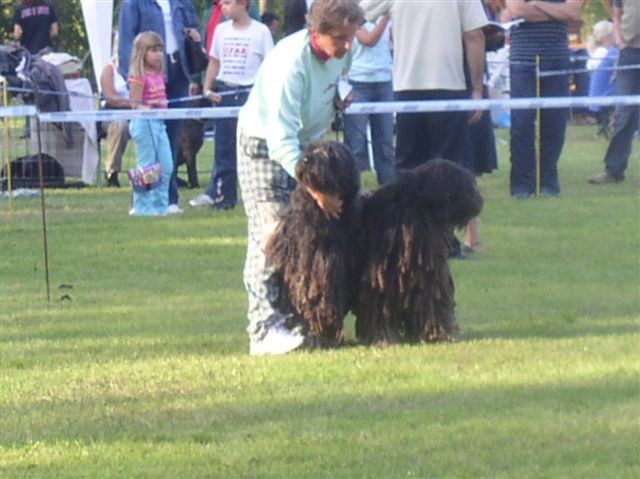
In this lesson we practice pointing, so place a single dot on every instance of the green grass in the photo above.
(145, 371)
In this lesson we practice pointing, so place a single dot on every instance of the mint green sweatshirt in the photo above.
(291, 102)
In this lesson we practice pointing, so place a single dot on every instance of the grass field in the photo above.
(142, 369)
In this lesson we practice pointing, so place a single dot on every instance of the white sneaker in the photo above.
(132, 212)
(278, 340)
(174, 210)
(201, 200)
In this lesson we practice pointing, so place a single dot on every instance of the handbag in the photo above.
(145, 176)
(196, 56)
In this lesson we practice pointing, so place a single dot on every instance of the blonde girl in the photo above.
(147, 90)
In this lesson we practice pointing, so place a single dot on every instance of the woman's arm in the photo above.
(371, 38)
(107, 86)
(617, 28)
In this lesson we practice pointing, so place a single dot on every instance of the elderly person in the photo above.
(293, 102)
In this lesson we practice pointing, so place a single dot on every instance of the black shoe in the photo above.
(456, 249)
(112, 179)
(220, 203)
(223, 205)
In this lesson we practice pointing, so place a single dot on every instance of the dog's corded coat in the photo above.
(406, 289)
(314, 257)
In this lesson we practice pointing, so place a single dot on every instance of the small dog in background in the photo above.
(406, 291)
(314, 257)
(190, 141)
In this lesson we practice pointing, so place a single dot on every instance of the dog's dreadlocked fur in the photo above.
(315, 257)
(406, 289)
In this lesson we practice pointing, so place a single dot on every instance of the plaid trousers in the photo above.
(266, 188)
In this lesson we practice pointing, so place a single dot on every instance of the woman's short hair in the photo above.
(326, 15)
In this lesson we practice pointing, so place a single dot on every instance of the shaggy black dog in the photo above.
(406, 290)
(314, 256)
(190, 142)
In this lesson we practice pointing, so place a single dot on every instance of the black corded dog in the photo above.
(314, 256)
(406, 290)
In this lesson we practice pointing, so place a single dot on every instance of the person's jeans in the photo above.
(553, 125)
(223, 185)
(626, 117)
(425, 136)
(152, 145)
(177, 87)
(355, 130)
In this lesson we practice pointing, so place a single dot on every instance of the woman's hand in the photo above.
(213, 97)
(330, 204)
(342, 105)
(193, 34)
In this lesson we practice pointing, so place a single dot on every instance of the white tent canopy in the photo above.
(98, 17)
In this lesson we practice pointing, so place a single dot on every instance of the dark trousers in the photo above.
(553, 126)
(223, 185)
(626, 117)
(425, 136)
(177, 87)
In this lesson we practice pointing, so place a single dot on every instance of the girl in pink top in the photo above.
(147, 90)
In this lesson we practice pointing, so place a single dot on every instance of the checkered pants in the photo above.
(266, 188)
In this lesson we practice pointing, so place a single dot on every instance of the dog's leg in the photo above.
(192, 171)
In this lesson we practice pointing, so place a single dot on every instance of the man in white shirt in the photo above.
(428, 42)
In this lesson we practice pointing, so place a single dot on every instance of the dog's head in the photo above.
(447, 191)
(328, 167)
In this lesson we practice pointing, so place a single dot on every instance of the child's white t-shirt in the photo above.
(240, 52)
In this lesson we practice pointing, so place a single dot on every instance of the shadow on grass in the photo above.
(588, 423)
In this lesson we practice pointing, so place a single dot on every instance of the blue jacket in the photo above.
(137, 16)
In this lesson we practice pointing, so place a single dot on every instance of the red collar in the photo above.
(315, 48)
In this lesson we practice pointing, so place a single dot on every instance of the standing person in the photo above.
(272, 21)
(430, 39)
(150, 136)
(626, 23)
(239, 46)
(295, 15)
(293, 102)
(213, 16)
(35, 24)
(428, 59)
(604, 57)
(115, 92)
(543, 35)
(172, 20)
(370, 75)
